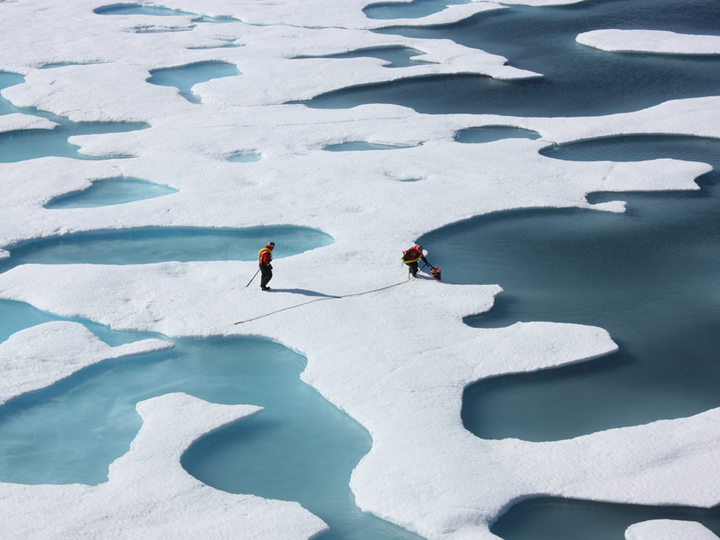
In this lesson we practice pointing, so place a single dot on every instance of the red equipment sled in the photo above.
(435, 272)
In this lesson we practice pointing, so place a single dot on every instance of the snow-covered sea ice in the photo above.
(233, 107)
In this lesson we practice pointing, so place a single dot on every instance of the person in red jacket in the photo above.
(264, 257)
(411, 258)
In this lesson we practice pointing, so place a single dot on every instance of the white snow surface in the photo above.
(667, 529)
(393, 354)
(650, 41)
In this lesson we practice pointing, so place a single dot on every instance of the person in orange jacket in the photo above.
(411, 257)
(264, 257)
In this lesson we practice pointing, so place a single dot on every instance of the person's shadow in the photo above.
(304, 292)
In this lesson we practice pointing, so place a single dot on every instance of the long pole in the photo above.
(249, 282)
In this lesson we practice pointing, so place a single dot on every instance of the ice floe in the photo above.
(393, 354)
(17, 122)
(650, 41)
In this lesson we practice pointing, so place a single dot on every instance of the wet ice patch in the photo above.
(219, 43)
(244, 157)
(361, 146)
(394, 56)
(53, 65)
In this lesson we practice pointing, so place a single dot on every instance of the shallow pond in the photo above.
(111, 191)
(185, 77)
(20, 145)
(154, 245)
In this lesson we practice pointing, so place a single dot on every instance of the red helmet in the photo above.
(271, 245)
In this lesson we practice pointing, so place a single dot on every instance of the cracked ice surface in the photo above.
(401, 375)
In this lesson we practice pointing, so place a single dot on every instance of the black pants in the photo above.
(413, 268)
(266, 273)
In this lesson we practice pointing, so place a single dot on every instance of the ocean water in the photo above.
(577, 80)
(649, 276)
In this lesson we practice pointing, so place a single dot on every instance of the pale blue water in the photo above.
(185, 77)
(111, 191)
(16, 316)
(299, 448)
(8, 79)
(154, 245)
(158, 11)
(36, 143)
(409, 10)
(137, 9)
(297, 457)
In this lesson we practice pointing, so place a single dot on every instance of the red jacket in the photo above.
(265, 255)
(412, 255)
